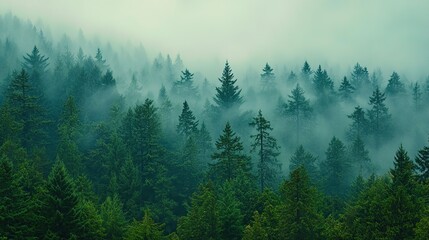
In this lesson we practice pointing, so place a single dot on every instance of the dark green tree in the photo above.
(266, 147)
(322, 83)
(256, 230)
(35, 65)
(228, 95)
(185, 88)
(204, 145)
(379, 117)
(395, 86)
(298, 213)
(60, 203)
(417, 96)
(187, 123)
(346, 90)
(359, 157)
(230, 216)
(202, 220)
(229, 159)
(113, 218)
(299, 110)
(422, 163)
(335, 169)
(302, 158)
(146, 229)
(306, 72)
(359, 127)
(88, 221)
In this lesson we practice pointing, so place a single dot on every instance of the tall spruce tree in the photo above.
(299, 110)
(113, 218)
(266, 147)
(306, 72)
(360, 77)
(359, 127)
(228, 94)
(422, 162)
(379, 117)
(187, 123)
(267, 78)
(229, 161)
(323, 85)
(394, 87)
(346, 90)
(302, 158)
(185, 88)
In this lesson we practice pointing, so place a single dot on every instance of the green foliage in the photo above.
(113, 218)
(255, 230)
(301, 158)
(229, 160)
(395, 86)
(360, 77)
(422, 162)
(266, 147)
(187, 123)
(88, 221)
(379, 117)
(346, 90)
(359, 126)
(228, 95)
(230, 216)
(185, 88)
(146, 229)
(268, 78)
(299, 110)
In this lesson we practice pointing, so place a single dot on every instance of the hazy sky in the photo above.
(390, 34)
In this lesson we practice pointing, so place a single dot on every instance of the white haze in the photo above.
(386, 34)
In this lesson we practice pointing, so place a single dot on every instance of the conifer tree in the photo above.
(422, 162)
(204, 145)
(267, 78)
(187, 123)
(185, 88)
(255, 230)
(379, 117)
(88, 221)
(395, 86)
(346, 90)
(306, 72)
(359, 127)
(145, 229)
(359, 157)
(35, 65)
(360, 77)
(113, 218)
(417, 96)
(299, 217)
(266, 147)
(302, 158)
(229, 159)
(230, 216)
(228, 94)
(299, 110)
(323, 85)
(335, 169)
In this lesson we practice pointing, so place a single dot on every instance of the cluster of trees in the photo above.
(80, 160)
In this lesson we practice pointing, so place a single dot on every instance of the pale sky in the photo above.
(390, 34)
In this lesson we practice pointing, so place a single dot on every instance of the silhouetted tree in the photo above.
(228, 95)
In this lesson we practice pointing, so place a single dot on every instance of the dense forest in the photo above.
(99, 141)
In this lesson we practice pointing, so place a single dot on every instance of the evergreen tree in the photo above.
(360, 77)
(187, 123)
(14, 203)
(404, 202)
(229, 160)
(202, 220)
(301, 158)
(299, 109)
(26, 109)
(266, 147)
(145, 229)
(9, 127)
(359, 127)
(113, 218)
(35, 65)
(323, 85)
(69, 131)
(346, 90)
(299, 217)
(335, 169)
(255, 230)
(267, 78)
(60, 203)
(185, 86)
(88, 221)
(379, 117)
(417, 96)
(204, 145)
(306, 72)
(422, 162)
(359, 157)
(129, 183)
(395, 86)
(230, 216)
(228, 95)
(100, 61)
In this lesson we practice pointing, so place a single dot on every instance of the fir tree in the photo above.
(379, 117)
(323, 85)
(113, 219)
(359, 157)
(230, 216)
(266, 147)
(395, 86)
(229, 160)
(187, 123)
(145, 229)
(360, 77)
(255, 230)
(267, 78)
(306, 72)
(228, 95)
(301, 158)
(346, 90)
(417, 96)
(299, 109)
(359, 127)
(185, 86)
(422, 162)
(35, 64)
(88, 221)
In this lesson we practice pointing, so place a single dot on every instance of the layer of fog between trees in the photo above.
(139, 76)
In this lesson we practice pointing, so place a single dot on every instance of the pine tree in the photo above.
(100, 61)
(323, 85)
(228, 95)
(267, 78)
(60, 203)
(417, 96)
(202, 220)
(113, 218)
(379, 117)
(145, 229)
(230, 216)
(187, 123)
(359, 127)
(395, 86)
(35, 65)
(229, 160)
(266, 147)
(129, 183)
(422, 162)
(359, 157)
(301, 158)
(306, 72)
(299, 217)
(204, 145)
(360, 77)
(185, 88)
(335, 169)
(69, 131)
(88, 221)
(299, 109)
(346, 90)
(255, 230)
(404, 202)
